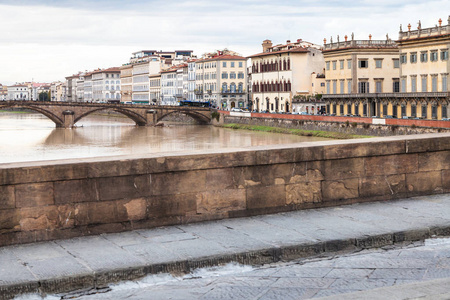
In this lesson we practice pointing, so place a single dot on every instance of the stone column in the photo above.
(151, 117)
(68, 117)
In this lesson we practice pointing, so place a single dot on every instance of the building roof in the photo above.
(292, 50)
(223, 57)
(109, 70)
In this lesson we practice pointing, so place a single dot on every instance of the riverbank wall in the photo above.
(68, 198)
(347, 125)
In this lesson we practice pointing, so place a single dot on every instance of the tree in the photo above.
(43, 96)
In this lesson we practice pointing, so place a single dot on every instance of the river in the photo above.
(33, 137)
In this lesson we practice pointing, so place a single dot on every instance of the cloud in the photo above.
(68, 36)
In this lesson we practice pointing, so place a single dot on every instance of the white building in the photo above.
(169, 86)
(191, 80)
(18, 92)
(106, 85)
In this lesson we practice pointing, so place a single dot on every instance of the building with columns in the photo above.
(283, 71)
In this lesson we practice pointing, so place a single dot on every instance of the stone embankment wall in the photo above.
(344, 127)
(68, 198)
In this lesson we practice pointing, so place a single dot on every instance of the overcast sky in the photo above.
(45, 41)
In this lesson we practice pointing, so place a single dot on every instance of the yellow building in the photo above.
(126, 82)
(357, 72)
(222, 80)
(282, 72)
(424, 70)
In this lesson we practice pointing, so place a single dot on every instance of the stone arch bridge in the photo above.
(66, 114)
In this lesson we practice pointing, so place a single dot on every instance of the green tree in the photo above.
(43, 96)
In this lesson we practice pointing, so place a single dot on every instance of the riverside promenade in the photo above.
(94, 262)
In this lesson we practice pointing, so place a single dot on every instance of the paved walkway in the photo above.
(408, 272)
(94, 262)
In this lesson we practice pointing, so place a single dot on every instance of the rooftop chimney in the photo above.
(288, 41)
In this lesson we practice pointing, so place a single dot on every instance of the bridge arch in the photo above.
(57, 120)
(201, 118)
(140, 120)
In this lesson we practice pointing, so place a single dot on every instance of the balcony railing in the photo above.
(388, 95)
(232, 92)
(360, 44)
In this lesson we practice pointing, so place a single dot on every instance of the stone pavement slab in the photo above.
(95, 261)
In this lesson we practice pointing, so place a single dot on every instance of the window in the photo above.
(434, 112)
(224, 87)
(349, 86)
(240, 64)
(385, 109)
(424, 57)
(444, 83)
(433, 55)
(363, 87)
(403, 58)
(413, 110)
(341, 83)
(334, 86)
(403, 85)
(334, 65)
(232, 64)
(334, 109)
(328, 87)
(328, 65)
(341, 64)
(224, 64)
(414, 84)
(378, 86)
(403, 111)
(341, 109)
(396, 63)
(232, 75)
(413, 57)
(349, 64)
(224, 75)
(241, 75)
(434, 83)
(349, 109)
(378, 63)
(424, 111)
(363, 63)
(444, 54)
(424, 83)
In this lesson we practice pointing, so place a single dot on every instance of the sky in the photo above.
(47, 40)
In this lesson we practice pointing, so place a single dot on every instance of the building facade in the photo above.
(18, 92)
(106, 85)
(155, 89)
(169, 87)
(282, 72)
(360, 67)
(222, 81)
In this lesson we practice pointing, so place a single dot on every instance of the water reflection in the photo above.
(31, 137)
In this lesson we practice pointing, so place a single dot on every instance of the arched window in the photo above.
(288, 86)
(284, 64)
(118, 96)
(288, 63)
(241, 87)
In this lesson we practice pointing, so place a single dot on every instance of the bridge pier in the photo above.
(68, 118)
(151, 117)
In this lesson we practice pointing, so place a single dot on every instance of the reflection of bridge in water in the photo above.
(66, 114)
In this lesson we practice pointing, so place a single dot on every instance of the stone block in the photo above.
(126, 187)
(212, 202)
(426, 143)
(34, 194)
(424, 182)
(446, 180)
(266, 196)
(9, 219)
(136, 209)
(124, 167)
(219, 179)
(172, 205)
(364, 148)
(391, 164)
(75, 191)
(340, 189)
(39, 218)
(100, 213)
(343, 168)
(269, 174)
(382, 185)
(434, 161)
(275, 156)
(304, 192)
(7, 197)
(178, 182)
(304, 153)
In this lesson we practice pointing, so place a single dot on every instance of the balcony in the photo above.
(198, 92)
(228, 92)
